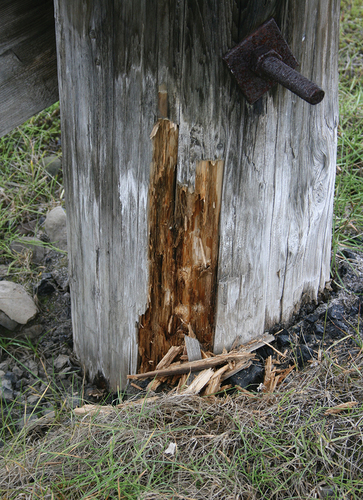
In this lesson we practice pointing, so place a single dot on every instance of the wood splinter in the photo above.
(193, 366)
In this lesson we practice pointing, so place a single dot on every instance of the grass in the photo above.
(284, 445)
(348, 214)
(277, 446)
(26, 190)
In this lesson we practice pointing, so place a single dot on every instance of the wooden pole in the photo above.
(221, 221)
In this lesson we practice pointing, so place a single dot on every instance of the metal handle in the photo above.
(271, 67)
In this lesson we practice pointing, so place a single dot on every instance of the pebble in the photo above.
(33, 399)
(61, 361)
(319, 330)
(56, 227)
(6, 394)
(32, 367)
(4, 366)
(52, 164)
(32, 332)
(18, 372)
(29, 243)
(16, 303)
(7, 323)
(336, 312)
(283, 339)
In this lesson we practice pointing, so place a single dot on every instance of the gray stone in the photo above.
(7, 323)
(29, 243)
(60, 361)
(32, 367)
(6, 394)
(21, 383)
(6, 387)
(52, 164)
(56, 227)
(16, 303)
(18, 371)
(64, 373)
(32, 332)
(6, 384)
(11, 377)
(32, 400)
(4, 366)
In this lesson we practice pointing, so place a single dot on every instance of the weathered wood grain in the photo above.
(125, 64)
(28, 60)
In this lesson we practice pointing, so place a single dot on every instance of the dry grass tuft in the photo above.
(281, 445)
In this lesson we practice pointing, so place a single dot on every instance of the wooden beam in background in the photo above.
(28, 60)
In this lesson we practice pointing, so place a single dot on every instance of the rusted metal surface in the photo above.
(262, 59)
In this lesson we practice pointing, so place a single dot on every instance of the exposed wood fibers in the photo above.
(183, 251)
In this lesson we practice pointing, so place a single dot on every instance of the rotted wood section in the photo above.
(183, 251)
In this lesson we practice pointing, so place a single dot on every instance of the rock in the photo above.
(32, 367)
(312, 318)
(74, 401)
(6, 387)
(249, 378)
(319, 330)
(327, 492)
(64, 373)
(7, 323)
(283, 339)
(32, 400)
(4, 367)
(336, 312)
(11, 377)
(6, 394)
(18, 372)
(61, 278)
(21, 384)
(335, 331)
(61, 361)
(28, 243)
(46, 286)
(32, 332)
(16, 303)
(56, 227)
(52, 164)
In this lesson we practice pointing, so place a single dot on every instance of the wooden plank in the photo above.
(123, 65)
(28, 60)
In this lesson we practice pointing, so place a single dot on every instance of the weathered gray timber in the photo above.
(28, 60)
(137, 266)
